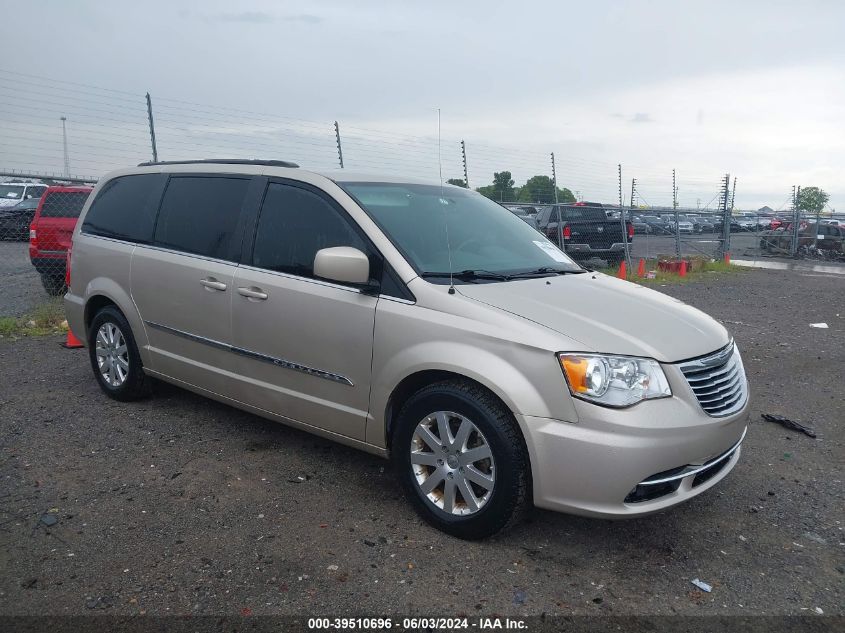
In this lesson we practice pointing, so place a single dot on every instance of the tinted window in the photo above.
(63, 204)
(125, 208)
(35, 192)
(200, 215)
(293, 225)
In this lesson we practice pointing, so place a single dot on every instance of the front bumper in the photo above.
(612, 463)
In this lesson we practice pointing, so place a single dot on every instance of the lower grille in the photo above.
(718, 381)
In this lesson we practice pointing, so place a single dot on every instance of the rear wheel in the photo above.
(461, 459)
(114, 356)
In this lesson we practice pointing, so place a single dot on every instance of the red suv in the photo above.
(50, 233)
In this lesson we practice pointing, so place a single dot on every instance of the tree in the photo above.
(812, 199)
(542, 189)
(457, 181)
(502, 188)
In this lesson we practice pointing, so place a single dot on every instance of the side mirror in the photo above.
(342, 263)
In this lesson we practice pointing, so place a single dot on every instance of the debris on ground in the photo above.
(819, 610)
(298, 479)
(822, 326)
(790, 424)
(48, 519)
(519, 597)
(701, 585)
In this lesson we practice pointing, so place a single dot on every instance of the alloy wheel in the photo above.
(452, 463)
(112, 354)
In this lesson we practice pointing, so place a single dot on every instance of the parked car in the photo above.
(586, 231)
(718, 224)
(50, 233)
(488, 365)
(15, 221)
(640, 225)
(702, 224)
(12, 193)
(658, 225)
(523, 215)
(747, 224)
(824, 237)
(685, 226)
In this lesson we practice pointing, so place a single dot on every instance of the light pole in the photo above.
(64, 143)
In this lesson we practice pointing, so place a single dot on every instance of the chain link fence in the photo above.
(55, 130)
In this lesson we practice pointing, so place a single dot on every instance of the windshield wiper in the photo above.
(545, 270)
(469, 275)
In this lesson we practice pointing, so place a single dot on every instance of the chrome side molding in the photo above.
(278, 362)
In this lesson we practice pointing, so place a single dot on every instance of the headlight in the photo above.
(613, 381)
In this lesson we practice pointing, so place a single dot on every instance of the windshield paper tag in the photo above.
(551, 250)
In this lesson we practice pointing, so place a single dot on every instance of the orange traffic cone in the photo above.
(683, 271)
(728, 257)
(623, 273)
(641, 268)
(72, 342)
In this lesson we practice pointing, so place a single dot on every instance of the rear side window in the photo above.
(35, 192)
(125, 208)
(63, 204)
(200, 215)
(294, 224)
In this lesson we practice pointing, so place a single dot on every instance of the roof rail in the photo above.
(222, 161)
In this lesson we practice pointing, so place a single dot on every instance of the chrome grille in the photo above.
(718, 381)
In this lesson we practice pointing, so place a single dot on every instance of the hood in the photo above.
(607, 315)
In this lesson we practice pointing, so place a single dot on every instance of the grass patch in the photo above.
(47, 318)
(701, 269)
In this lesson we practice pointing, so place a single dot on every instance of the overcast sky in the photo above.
(756, 89)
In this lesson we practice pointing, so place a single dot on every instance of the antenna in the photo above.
(445, 215)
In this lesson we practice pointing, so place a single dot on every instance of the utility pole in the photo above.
(733, 195)
(724, 201)
(152, 128)
(674, 192)
(677, 225)
(796, 219)
(464, 159)
(339, 149)
(64, 143)
(557, 208)
(623, 220)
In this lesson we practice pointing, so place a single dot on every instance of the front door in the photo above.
(304, 344)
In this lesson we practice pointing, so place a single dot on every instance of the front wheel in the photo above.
(461, 459)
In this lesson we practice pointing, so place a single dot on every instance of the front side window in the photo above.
(293, 225)
(437, 226)
(200, 215)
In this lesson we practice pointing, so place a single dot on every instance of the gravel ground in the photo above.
(179, 505)
(21, 290)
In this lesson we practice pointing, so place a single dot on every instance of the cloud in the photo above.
(307, 18)
(252, 17)
(642, 117)
(261, 17)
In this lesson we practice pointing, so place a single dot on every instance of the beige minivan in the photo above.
(413, 320)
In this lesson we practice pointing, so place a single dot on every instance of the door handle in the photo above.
(252, 293)
(212, 284)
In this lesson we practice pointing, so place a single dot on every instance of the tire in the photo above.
(504, 496)
(53, 284)
(124, 367)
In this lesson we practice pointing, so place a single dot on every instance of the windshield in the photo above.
(11, 192)
(483, 235)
